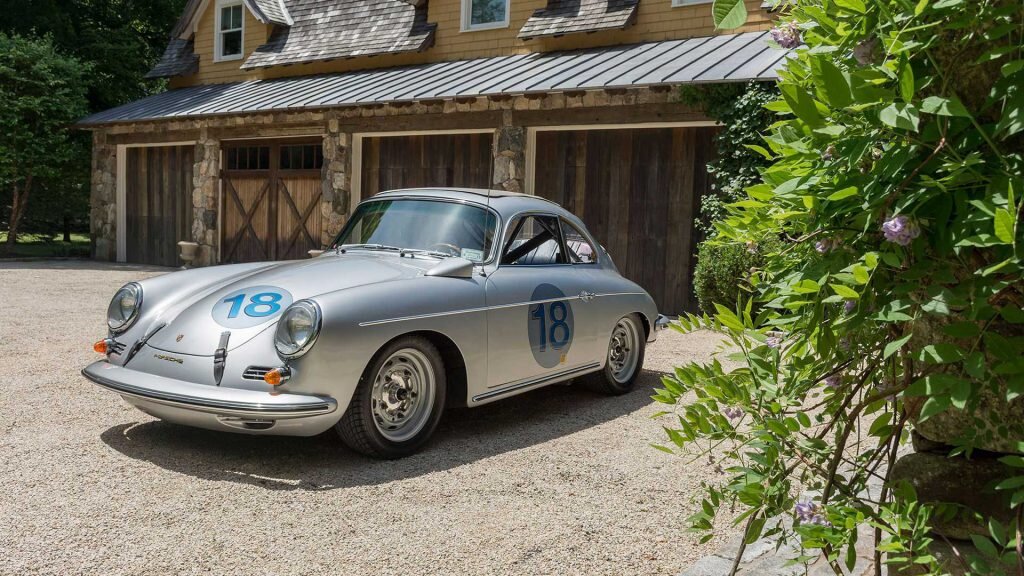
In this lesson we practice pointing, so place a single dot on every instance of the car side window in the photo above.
(579, 249)
(535, 241)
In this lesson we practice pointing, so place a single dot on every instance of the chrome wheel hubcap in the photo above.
(403, 395)
(624, 350)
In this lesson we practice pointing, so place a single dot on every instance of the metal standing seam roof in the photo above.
(713, 59)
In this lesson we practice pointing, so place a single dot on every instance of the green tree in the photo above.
(43, 92)
(896, 182)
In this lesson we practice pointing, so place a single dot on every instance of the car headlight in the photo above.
(297, 329)
(124, 308)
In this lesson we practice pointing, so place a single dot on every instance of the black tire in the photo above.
(361, 428)
(615, 382)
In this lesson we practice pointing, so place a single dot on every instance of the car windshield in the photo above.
(429, 226)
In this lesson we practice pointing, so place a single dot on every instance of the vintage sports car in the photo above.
(428, 298)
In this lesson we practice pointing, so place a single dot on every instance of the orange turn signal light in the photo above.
(277, 376)
(101, 347)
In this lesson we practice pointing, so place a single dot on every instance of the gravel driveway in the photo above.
(558, 481)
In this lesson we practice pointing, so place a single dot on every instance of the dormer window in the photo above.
(230, 29)
(484, 14)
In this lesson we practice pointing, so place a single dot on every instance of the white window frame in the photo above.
(218, 55)
(467, 18)
(681, 3)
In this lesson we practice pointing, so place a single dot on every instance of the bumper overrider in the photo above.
(216, 407)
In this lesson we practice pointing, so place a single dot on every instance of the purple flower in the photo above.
(833, 381)
(866, 52)
(827, 245)
(733, 412)
(810, 513)
(829, 154)
(850, 306)
(774, 341)
(786, 35)
(901, 230)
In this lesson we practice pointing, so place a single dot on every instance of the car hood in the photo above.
(195, 325)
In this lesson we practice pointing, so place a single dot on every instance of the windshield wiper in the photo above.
(372, 247)
(426, 252)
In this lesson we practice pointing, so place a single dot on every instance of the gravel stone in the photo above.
(560, 480)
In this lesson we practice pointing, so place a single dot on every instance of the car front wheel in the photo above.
(626, 349)
(398, 402)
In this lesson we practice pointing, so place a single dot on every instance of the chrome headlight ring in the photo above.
(124, 308)
(297, 330)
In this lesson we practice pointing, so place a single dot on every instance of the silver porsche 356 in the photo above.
(428, 298)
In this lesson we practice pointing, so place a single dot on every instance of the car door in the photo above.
(538, 321)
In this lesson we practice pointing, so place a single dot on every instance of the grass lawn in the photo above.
(38, 246)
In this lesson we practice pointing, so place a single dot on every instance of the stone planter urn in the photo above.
(187, 251)
(315, 253)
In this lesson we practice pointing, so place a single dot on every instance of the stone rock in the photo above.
(968, 483)
(1001, 423)
(922, 444)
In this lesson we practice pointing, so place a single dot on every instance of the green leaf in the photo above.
(801, 103)
(941, 353)
(844, 193)
(906, 78)
(729, 14)
(845, 292)
(833, 86)
(944, 107)
(1004, 225)
(959, 392)
(932, 406)
(894, 346)
(902, 116)
(852, 5)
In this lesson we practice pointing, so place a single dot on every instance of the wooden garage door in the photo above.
(270, 200)
(158, 203)
(460, 160)
(638, 191)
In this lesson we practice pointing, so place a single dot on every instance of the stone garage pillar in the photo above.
(103, 198)
(509, 156)
(205, 178)
(335, 181)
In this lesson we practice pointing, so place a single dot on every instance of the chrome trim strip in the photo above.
(550, 379)
(281, 411)
(486, 308)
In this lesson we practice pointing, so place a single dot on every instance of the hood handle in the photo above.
(220, 357)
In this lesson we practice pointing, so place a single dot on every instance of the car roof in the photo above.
(505, 202)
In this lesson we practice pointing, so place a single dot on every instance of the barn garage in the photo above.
(638, 190)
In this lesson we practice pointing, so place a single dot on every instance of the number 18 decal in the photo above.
(250, 306)
(550, 326)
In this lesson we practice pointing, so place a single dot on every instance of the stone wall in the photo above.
(509, 116)
(205, 179)
(103, 198)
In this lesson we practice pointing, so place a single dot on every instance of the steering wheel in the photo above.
(450, 249)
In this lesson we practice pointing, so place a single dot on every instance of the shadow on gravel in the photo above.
(323, 463)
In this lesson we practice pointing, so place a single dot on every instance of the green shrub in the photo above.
(724, 269)
(897, 178)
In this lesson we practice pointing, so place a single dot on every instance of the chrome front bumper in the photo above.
(216, 407)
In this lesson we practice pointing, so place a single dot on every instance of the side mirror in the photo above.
(452, 268)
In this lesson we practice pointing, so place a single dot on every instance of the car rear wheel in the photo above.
(626, 349)
(398, 402)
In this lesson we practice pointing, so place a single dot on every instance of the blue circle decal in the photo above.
(251, 306)
(550, 326)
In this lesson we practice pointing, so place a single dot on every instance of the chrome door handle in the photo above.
(587, 296)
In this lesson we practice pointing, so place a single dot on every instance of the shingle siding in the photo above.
(562, 17)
